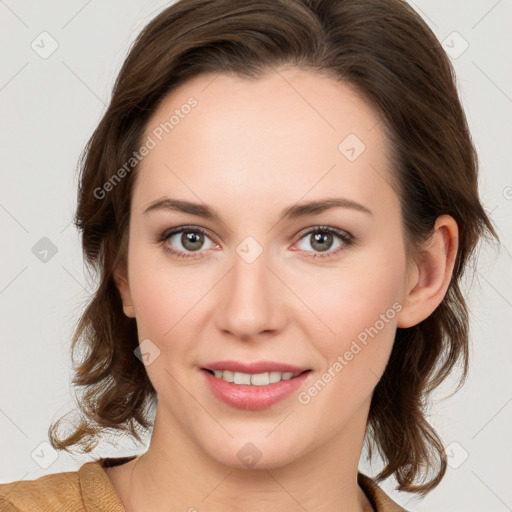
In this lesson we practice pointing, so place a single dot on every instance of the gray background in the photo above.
(49, 108)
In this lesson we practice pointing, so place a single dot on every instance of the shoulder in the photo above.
(49, 492)
(89, 488)
(380, 501)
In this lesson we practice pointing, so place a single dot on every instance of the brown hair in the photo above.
(386, 52)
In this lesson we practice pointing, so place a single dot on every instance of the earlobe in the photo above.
(431, 274)
(123, 286)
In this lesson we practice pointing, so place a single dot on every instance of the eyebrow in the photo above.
(290, 213)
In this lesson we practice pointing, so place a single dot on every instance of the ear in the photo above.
(122, 284)
(429, 278)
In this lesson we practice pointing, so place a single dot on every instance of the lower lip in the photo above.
(253, 398)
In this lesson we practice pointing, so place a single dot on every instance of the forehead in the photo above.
(276, 138)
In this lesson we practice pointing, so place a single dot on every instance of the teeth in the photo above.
(260, 379)
(254, 379)
(242, 378)
(274, 377)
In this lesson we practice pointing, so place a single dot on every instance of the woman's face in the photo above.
(256, 282)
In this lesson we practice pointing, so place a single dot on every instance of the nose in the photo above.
(250, 300)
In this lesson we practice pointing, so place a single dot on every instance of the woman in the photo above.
(240, 140)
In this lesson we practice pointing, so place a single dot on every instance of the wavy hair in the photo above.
(386, 52)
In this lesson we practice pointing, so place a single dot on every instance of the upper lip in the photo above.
(254, 367)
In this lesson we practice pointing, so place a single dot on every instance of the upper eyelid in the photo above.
(180, 229)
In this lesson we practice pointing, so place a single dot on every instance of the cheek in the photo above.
(166, 305)
(167, 313)
(360, 306)
(362, 311)
(162, 294)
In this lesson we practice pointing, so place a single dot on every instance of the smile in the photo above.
(253, 391)
(253, 379)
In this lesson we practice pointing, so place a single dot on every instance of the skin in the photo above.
(249, 149)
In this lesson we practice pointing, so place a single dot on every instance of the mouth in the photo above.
(253, 391)
(253, 379)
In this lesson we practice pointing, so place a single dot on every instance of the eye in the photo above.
(187, 239)
(322, 239)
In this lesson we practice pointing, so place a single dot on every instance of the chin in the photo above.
(255, 453)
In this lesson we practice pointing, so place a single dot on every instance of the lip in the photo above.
(250, 397)
(254, 367)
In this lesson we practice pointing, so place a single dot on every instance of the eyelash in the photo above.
(344, 236)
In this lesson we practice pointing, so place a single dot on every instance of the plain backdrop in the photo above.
(59, 62)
